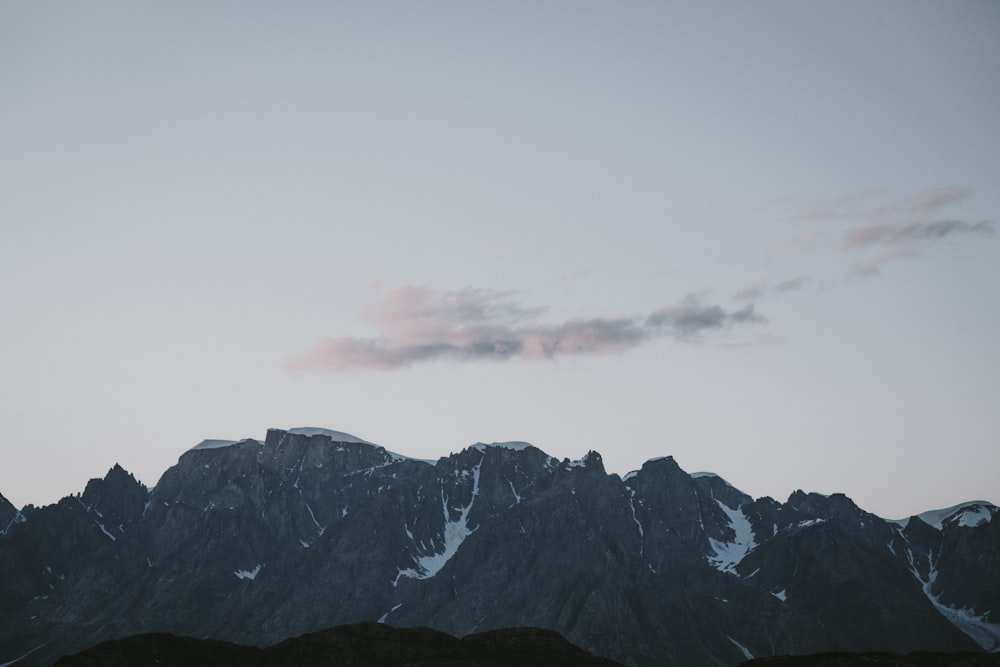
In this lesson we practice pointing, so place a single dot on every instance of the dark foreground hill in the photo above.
(253, 542)
(356, 645)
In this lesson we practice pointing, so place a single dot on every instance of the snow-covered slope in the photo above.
(967, 514)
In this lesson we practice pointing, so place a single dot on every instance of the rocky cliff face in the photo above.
(254, 542)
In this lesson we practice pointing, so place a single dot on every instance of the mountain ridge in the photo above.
(657, 567)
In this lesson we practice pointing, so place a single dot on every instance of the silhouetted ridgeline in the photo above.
(347, 646)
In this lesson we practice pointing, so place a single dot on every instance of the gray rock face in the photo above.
(254, 542)
(9, 515)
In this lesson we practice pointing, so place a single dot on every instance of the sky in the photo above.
(758, 237)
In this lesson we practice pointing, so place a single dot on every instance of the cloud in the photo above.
(791, 285)
(876, 232)
(749, 293)
(757, 290)
(419, 325)
(875, 205)
(893, 227)
(849, 206)
(691, 317)
(872, 266)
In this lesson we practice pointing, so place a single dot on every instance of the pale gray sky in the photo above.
(760, 237)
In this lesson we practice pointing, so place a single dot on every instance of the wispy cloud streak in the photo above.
(877, 232)
(891, 227)
(876, 204)
(791, 285)
(419, 325)
(758, 290)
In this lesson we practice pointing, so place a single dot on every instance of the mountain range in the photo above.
(256, 541)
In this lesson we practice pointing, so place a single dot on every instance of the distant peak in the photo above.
(515, 445)
(591, 461)
(969, 514)
(335, 436)
(222, 444)
(213, 444)
(661, 462)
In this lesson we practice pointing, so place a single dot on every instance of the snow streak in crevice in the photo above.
(454, 534)
(517, 498)
(977, 627)
(18, 518)
(248, 574)
(729, 554)
(642, 534)
(746, 653)
(320, 528)
(384, 616)
(16, 660)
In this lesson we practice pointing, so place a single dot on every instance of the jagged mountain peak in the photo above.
(591, 461)
(118, 495)
(9, 515)
(824, 505)
(515, 445)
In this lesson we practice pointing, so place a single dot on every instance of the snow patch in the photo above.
(979, 511)
(747, 654)
(696, 475)
(517, 498)
(810, 522)
(974, 516)
(454, 534)
(18, 518)
(631, 503)
(977, 627)
(105, 531)
(729, 554)
(248, 574)
(386, 614)
(19, 659)
(321, 529)
(780, 595)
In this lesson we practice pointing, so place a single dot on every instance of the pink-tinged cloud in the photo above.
(926, 201)
(913, 232)
(864, 235)
(421, 325)
(897, 227)
(850, 206)
(872, 205)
